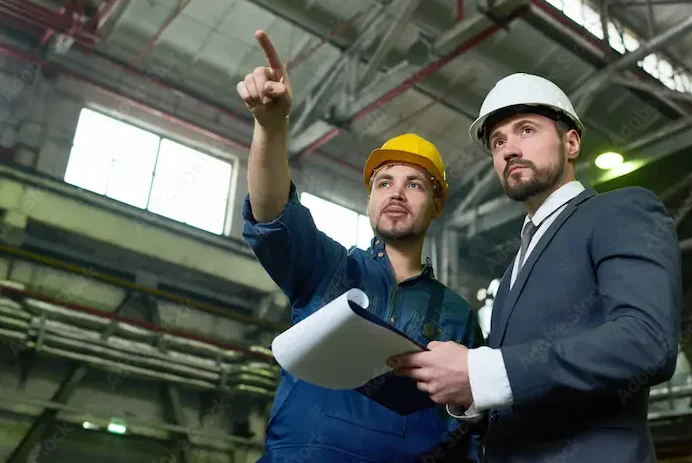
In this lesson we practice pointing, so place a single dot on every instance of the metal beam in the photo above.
(657, 90)
(404, 11)
(662, 143)
(318, 89)
(43, 423)
(400, 79)
(587, 88)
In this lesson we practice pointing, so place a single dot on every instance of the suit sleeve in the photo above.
(636, 258)
(295, 254)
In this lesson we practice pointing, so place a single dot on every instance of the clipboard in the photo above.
(343, 346)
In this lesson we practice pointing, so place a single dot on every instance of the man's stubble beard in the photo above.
(543, 179)
(399, 235)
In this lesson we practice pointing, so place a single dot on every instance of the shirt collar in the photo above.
(555, 201)
(377, 251)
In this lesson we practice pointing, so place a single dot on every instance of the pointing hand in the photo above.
(267, 91)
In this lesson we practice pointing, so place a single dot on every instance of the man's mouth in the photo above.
(395, 211)
(515, 169)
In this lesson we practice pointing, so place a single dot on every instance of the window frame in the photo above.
(162, 135)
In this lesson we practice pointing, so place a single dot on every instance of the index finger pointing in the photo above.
(269, 51)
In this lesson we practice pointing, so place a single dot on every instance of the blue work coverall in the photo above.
(313, 424)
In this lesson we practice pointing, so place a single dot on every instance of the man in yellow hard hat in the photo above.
(407, 188)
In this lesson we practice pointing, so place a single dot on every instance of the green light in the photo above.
(609, 160)
(117, 426)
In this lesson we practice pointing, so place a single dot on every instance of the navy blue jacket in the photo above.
(591, 323)
(310, 423)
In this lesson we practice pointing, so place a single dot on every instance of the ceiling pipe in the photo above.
(404, 86)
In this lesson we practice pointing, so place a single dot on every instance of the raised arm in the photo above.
(267, 95)
(280, 230)
(636, 255)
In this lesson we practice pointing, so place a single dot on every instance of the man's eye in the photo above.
(528, 129)
(383, 184)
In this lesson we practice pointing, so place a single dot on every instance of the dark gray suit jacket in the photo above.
(591, 323)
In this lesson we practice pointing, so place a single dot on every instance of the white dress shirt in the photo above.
(487, 373)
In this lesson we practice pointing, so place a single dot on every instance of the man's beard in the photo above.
(543, 179)
(398, 234)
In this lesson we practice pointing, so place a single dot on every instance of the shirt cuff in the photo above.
(488, 378)
(471, 414)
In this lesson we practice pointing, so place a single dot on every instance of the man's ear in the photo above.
(573, 145)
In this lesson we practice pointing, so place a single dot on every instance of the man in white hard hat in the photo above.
(586, 318)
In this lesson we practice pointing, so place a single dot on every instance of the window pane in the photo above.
(167, 198)
(190, 187)
(614, 38)
(195, 173)
(573, 10)
(116, 138)
(592, 21)
(208, 215)
(365, 233)
(88, 169)
(129, 185)
(337, 222)
(630, 42)
(650, 64)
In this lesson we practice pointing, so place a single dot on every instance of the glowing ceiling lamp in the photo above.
(609, 160)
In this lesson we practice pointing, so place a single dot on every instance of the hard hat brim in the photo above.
(387, 156)
(477, 127)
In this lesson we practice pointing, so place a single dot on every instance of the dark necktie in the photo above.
(526, 235)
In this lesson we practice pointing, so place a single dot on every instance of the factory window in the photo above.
(139, 168)
(339, 223)
(583, 13)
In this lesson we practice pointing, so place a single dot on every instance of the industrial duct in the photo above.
(127, 349)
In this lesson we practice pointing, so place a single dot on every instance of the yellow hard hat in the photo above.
(408, 148)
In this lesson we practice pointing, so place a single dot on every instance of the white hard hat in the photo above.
(517, 92)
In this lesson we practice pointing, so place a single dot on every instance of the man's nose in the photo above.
(398, 193)
(511, 149)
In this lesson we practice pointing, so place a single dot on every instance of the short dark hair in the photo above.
(562, 128)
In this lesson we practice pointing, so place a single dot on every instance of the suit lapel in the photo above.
(498, 303)
(525, 271)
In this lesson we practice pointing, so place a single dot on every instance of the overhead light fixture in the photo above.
(90, 425)
(117, 426)
(609, 160)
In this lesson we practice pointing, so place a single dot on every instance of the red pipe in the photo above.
(460, 10)
(150, 45)
(132, 321)
(405, 85)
